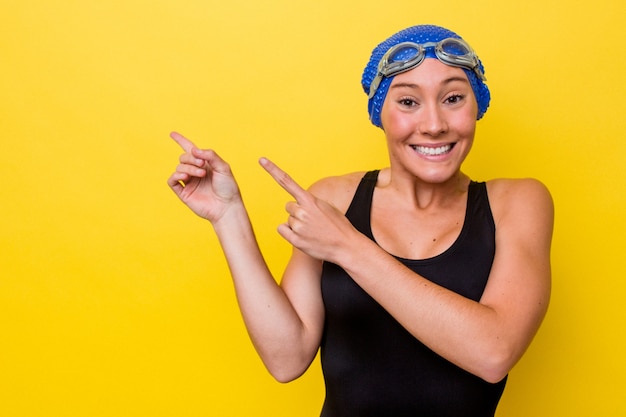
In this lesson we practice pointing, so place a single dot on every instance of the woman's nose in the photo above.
(433, 121)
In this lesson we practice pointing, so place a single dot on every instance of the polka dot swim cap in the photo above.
(418, 34)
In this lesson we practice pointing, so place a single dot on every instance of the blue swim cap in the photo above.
(417, 34)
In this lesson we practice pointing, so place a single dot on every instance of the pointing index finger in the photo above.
(284, 180)
(182, 141)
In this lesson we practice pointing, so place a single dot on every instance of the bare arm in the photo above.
(486, 338)
(284, 325)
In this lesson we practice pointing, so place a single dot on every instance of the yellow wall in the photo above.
(115, 299)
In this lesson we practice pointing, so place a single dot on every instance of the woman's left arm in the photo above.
(486, 338)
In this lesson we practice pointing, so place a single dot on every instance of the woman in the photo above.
(422, 287)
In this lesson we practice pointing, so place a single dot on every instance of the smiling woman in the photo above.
(429, 115)
(421, 287)
(115, 300)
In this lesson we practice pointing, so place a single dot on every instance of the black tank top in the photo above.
(372, 366)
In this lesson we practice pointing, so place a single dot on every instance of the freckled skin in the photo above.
(431, 105)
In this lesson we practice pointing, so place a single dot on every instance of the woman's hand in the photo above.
(203, 181)
(314, 226)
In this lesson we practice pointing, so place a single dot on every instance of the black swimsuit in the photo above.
(372, 366)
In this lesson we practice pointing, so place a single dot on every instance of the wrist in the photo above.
(351, 250)
(232, 217)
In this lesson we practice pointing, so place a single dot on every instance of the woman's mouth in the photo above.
(433, 150)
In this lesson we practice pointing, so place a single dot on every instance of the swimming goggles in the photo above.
(408, 55)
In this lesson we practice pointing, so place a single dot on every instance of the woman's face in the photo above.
(429, 118)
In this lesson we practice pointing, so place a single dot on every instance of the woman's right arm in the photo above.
(284, 322)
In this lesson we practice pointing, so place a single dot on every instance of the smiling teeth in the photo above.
(432, 151)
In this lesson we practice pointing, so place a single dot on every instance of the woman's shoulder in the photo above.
(337, 190)
(516, 198)
(514, 188)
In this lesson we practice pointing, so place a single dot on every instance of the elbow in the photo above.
(493, 375)
(285, 370)
(285, 374)
(285, 377)
(497, 364)
(287, 361)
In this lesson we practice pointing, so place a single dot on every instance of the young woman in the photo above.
(422, 287)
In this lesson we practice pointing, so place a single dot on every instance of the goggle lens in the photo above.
(404, 53)
(401, 58)
(454, 47)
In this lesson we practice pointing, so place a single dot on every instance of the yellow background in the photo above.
(115, 299)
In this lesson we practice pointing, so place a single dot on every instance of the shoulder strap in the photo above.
(360, 208)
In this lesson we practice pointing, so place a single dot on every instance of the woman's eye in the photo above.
(454, 98)
(407, 102)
